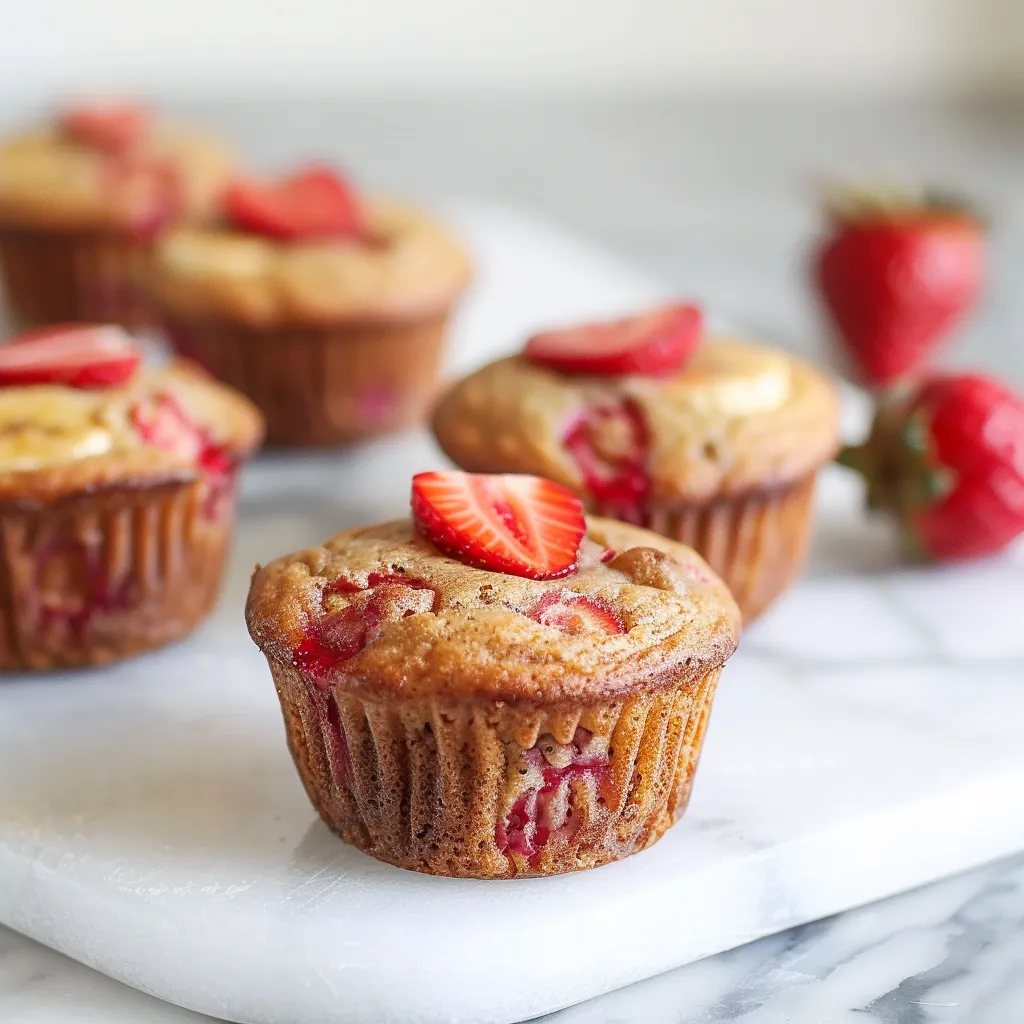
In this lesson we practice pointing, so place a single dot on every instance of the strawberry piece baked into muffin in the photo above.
(116, 497)
(498, 687)
(82, 201)
(328, 310)
(711, 441)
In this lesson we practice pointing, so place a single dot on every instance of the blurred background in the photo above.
(690, 137)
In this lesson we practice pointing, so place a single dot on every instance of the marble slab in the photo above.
(865, 740)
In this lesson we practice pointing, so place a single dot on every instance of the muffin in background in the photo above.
(117, 497)
(328, 310)
(712, 441)
(498, 687)
(81, 202)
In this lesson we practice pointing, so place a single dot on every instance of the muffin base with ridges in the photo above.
(319, 386)
(756, 542)
(97, 577)
(56, 277)
(429, 784)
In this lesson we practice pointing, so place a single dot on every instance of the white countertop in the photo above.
(714, 198)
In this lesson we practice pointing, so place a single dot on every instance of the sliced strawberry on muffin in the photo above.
(654, 344)
(314, 203)
(520, 525)
(109, 126)
(497, 685)
(711, 441)
(78, 355)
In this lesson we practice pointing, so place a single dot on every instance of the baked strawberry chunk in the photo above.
(147, 191)
(162, 422)
(316, 203)
(76, 355)
(574, 614)
(520, 525)
(546, 806)
(609, 443)
(73, 588)
(654, 344)
(341, 635)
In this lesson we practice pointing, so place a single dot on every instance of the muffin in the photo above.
(117, 497)
(710, 440)
(496, 687)
(82, 201)
(327, 310)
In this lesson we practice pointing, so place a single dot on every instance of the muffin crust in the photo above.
(412, 269)
(53, 182)
(463, 632)
(739, 417)
(58, 441)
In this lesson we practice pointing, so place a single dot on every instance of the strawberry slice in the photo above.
(317, 203)
(78, 355)
(574, 614)
(655, 344)
(520, 525)
(109, 126)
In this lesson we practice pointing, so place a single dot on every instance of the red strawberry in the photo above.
(948, 461)
(148, 192)
(317, 203)
(896, 278)
(161, 421)
(656, 344)
(520, 525)
(78, 355)
(110, 126)
(575, 613)
(608, 441)
(341, 635)
(536, 813)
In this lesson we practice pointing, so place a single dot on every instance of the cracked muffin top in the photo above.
(711, 416)
(419, 607)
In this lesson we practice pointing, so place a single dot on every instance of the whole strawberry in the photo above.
(948, 460)
(896, 275)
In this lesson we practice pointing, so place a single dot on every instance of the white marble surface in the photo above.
(950, 953)
(152, 826)
(715, 199)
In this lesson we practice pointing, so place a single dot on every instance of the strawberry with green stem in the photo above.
(947, 459)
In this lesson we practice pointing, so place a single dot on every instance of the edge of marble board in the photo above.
(771, 890)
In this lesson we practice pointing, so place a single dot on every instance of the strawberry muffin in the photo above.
(116, 497)
(497, 687)
(712, 441)
(328, 310)
(81, 202)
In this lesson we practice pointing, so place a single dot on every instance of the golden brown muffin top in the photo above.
(412, 268)
(413, 622)
(49, 180)
(738, 417)
(57, 441)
